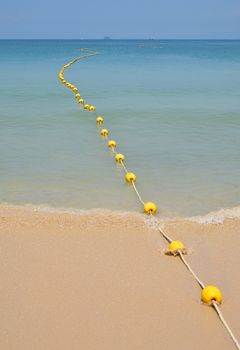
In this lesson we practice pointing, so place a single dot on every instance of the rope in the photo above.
(169, 239)
(156, 222)
(90, 54)
(139, 196)
(215, 306)
(124, 166)
(126, 171)
(190, 269)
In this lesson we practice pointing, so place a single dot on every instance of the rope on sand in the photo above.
(211, 295)
(215, 306)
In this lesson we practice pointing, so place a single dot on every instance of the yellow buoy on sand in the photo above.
(210, 294)
(174, 247)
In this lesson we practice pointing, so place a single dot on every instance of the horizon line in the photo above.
(112, 39)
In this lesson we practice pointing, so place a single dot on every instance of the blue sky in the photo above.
(120, 19)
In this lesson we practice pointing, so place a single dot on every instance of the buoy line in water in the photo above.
(210, 295)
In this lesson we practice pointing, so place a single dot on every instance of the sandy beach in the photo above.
(100, 280)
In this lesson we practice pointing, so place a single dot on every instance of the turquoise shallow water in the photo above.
(173, 107)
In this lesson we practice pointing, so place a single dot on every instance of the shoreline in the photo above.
(102, 281)
(213, 217)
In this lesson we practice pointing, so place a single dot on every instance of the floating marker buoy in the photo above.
(130, 177)
(211, 293)
(92, 108)
(74, 89)
(81, 100)
(150, 208)
(99, 120)
(112, 144)
(86, 106)
(77, 96)
(119, 157)
(104, 132)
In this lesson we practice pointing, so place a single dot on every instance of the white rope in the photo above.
(168, 238)
(213, 304)
(126, 171)
(138, 194)
(124, 166)
(190, 269)
(218, 311)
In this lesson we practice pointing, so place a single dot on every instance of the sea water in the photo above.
(172, 106)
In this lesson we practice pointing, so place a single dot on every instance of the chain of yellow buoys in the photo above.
(210, 295)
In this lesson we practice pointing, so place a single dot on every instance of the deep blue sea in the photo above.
(173, 107)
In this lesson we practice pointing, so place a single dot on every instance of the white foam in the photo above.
(217, 217)
(45, 208)
(214, 217)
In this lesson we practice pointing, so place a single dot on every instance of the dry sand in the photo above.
(100, 280)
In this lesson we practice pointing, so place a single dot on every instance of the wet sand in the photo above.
(100, 280)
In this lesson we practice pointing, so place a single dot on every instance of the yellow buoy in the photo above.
(74, 89)
(99, 120)
(77, 96)
(112, 144)
(150, 208)
(104, 132)
(86, 106)
(119, 157)
(130, 177)
(92, 108)
(81, 100)
(211, 293)
(176, 245)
